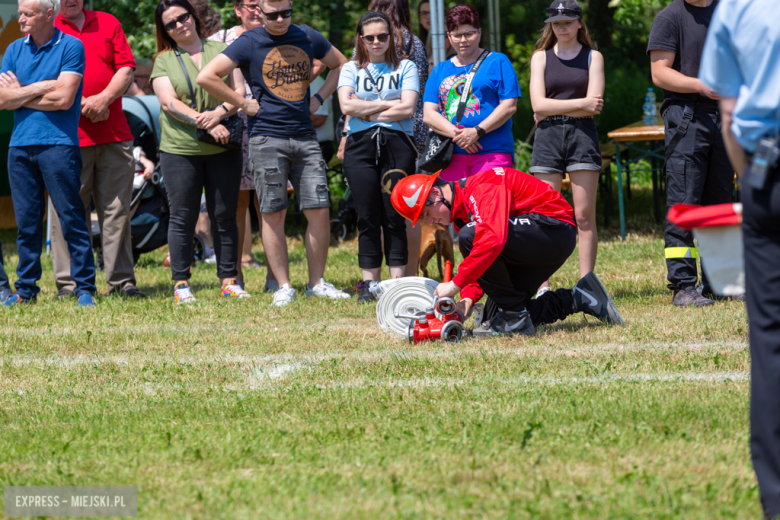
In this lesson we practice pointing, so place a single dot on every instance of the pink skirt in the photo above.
(464, 166)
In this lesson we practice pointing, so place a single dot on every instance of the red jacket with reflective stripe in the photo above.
(490, 199)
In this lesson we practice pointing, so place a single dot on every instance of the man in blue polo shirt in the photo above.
(41, 82)
(740, 63)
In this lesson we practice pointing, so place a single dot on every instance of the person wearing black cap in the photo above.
(567, 90)
(697, 166)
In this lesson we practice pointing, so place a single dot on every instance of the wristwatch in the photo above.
(480, 131)
(223, 107)
(319, 98)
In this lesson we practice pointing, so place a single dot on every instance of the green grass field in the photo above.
(240, 410)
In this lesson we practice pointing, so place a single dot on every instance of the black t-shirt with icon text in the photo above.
(278, 70)
(682, 28)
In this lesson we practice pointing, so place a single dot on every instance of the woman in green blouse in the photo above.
(190, 166)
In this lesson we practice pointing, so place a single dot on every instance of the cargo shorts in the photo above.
(275, 160)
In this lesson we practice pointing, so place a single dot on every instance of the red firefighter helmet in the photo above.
(410, 194)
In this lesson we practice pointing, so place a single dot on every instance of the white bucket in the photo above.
(723, 258)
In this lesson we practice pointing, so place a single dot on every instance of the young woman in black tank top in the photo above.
(567, 89)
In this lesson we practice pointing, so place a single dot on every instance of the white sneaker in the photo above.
(232, 289)
(182, 293)
(541, 291)
(326, 290)
(284, 296)
(211, 259)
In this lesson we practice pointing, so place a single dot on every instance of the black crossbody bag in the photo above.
(439, 149)
(233, 124)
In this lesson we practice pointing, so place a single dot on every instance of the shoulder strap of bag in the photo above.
(189, 83)
(464, 97)
(371, 79)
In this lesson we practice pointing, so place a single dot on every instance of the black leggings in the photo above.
(536, 247)
(371, 177)
(185, 178)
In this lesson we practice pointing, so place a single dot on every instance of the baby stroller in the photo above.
(346, 219)
(149, 209)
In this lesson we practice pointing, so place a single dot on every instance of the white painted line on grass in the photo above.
(412, 353)
(708, 377)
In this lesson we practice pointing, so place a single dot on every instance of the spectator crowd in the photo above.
(245, 115)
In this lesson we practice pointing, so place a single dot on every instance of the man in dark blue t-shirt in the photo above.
(276, 61)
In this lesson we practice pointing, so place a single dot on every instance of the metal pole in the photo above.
(620, 193)
(434, 6)
(492, 23)
(497, 10)
(442, 31)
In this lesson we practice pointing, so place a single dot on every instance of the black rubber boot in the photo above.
(592, 298)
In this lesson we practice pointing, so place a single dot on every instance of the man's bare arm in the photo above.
(333, 60)
(13, 96)
(210, 78)
(61, 98)
(734, 150)
(96, 107)
(665, 77)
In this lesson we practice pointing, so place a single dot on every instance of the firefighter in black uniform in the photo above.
(697, 166)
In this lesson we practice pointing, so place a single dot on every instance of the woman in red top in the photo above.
(514, 232)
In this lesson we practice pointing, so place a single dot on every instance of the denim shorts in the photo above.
(275, 160)
(566, 145)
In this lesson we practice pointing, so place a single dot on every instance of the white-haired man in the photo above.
(41, 82)
(276, 60)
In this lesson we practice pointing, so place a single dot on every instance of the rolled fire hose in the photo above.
(404, 296)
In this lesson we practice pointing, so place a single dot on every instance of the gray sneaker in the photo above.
(689, 296)
(506, 323)
(592, 298)
(5, 293)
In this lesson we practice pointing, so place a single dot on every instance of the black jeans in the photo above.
(698, 172)
(761, 228)
(185, 177)
(536, 247)
(371, 176)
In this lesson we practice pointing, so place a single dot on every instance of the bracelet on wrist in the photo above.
(319, 98)
(223, 107)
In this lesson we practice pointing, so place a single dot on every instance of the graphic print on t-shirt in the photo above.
(286, 72)
(450, 91)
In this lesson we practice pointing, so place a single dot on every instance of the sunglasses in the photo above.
(250, 7)
(566, 12)
(180, 20)
(286, 13)
(381, 38)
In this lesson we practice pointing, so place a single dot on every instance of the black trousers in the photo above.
(698, 172)
(185, 178)
(372, 174)
(761, 228)
(536, 247)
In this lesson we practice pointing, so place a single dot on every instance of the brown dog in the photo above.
(435, 239)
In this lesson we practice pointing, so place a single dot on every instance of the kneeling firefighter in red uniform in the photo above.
(514, 232)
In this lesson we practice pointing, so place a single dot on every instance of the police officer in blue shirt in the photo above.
(41, 82)
(740, 63)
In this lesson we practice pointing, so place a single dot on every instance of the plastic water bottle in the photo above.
(649, 112)
(651, 96)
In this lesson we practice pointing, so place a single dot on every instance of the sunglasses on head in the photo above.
(285, 13)
(381, 38)
(566, 12)
(179, 20)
